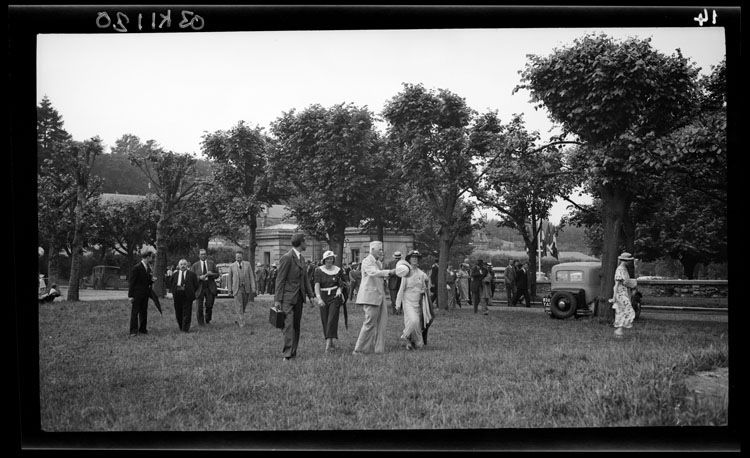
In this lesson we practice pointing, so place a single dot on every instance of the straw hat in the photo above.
(625, 256)
(397, 254)
(328, 254)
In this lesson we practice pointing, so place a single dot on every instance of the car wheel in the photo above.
(563, 305)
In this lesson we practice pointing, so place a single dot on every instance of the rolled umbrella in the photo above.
(342, 303)
(155, 298)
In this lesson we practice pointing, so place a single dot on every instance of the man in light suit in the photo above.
(292, 288)
(184, 284)
(242, 283)
(140, 281)
(206, 271)
(372, 295)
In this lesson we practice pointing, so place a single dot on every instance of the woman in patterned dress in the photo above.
(329, 286)
(413, 290)
(462, 283)
(624, 313)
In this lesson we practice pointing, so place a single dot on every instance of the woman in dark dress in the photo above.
(329, 289)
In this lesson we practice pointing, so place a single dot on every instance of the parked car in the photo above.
(574, 290)
(105, 277)
(222, 286)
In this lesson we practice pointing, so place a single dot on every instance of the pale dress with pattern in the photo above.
(624, 313)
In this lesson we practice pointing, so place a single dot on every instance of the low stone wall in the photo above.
(684, 288)
(666, 288)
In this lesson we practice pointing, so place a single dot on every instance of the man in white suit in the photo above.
(242, 283)
(371, 295)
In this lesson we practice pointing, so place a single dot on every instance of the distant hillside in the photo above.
(569, 238)
(119, 176)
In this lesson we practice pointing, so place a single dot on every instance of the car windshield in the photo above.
(569, 276)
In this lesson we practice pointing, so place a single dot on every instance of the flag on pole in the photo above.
(551, 240)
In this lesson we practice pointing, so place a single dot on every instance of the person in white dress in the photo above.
(412, 294)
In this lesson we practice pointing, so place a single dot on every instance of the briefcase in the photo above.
(276, 318)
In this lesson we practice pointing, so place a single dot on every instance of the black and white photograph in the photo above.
(374, 228)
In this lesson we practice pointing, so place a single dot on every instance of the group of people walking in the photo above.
(329, 289)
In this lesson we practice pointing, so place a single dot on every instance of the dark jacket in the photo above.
(191, 284)
(139, 282)
(522, 279)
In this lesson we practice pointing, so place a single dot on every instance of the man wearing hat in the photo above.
(394, 281)
(372, 297)
(140, 281)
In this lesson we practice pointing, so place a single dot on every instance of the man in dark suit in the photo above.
(184, 285)
(478, 272)
(206, 271)
(140, 281)
(522, 284)
(394, 281)
(292, 287)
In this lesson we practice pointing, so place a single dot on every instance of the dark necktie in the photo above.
(239, 264)
(204, 267)
(301, 259)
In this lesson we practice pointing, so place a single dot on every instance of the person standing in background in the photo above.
(184, 284)
(462, 283)
(510, 282)
(206, 272)
(478, 273)
(242, 283)
(522, 284)
(261, 273)
(450, 280)
(140, 282)
(394, 281)
(271, 286)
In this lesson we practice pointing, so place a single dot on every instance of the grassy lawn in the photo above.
(515, 368)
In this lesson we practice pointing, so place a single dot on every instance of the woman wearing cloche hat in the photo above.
(624, 313)
(329, 281)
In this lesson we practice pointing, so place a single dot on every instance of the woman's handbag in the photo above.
(276, 318)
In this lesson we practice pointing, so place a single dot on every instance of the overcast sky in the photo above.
(174, 87)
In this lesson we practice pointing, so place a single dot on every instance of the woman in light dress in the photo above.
(462, 283)
(624, 312)
(412, 293)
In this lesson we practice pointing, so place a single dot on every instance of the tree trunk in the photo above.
(443, 256)
(253, 244)
(616, 202)
(335, 242)
(53, 264)
(160, 265)
(75, 260)
(381, 232)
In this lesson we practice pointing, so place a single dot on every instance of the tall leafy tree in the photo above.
(680, 210)
(523, 181)
(173, 178)
(325, 156)
(77, 160)
(50, 133)
(435, 139)
(618, 98)
(239, 189)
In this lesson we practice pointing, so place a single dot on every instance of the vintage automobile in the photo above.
(105, 277)
(222, 286)
(574, 290)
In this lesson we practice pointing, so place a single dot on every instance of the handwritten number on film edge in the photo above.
(189, 19)
(703, 17)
